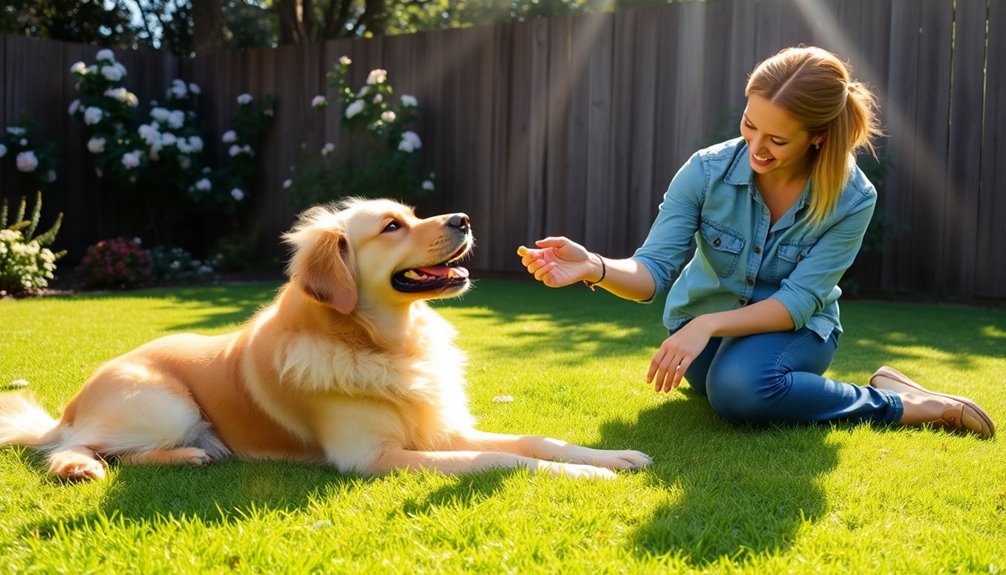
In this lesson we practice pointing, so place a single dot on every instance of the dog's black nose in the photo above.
(460, 221)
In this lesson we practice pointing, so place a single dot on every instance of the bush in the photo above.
(115, 263)
(34, 161)
(157, 165)
(174, 264)
(384, 165)
(26, 262)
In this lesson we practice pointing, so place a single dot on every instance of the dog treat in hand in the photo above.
(521, 251)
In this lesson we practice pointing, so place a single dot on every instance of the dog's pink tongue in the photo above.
(445, 271)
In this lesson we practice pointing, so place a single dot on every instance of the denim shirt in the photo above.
(740, 257)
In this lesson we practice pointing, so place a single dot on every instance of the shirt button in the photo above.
(742, 301)
(717, 242)
(750, 281)
(757, 249)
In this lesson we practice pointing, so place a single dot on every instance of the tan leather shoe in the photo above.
(964, 415)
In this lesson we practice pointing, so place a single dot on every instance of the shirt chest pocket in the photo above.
(721, 247)
(788, 255)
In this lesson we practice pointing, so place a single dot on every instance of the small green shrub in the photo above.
(26, 262)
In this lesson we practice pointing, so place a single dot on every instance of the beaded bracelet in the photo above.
(604, 272)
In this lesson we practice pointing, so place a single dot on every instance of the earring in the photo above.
(817, 146)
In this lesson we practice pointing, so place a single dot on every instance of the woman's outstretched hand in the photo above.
(558, 262)
(676, 354)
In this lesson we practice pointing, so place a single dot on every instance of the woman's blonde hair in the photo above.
(815, 87)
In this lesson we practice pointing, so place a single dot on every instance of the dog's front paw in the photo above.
(576, 470)
(621, 459)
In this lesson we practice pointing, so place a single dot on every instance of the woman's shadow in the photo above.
(731, 491)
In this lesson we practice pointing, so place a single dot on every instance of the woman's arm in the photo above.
(678, 351)
(559, 262)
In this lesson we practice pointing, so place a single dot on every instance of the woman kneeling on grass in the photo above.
(777, 216)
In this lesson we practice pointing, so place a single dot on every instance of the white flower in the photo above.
(50, 176)
(328, 149)
(176, 119)
(93, 115)
(131, 100)
(355, 108)
(78, 68)
(179, 89)
(204, 185)
(96, 145)
(229, 137)
(247, 149)
(160, 114)
(377, 77)
(23, 142)
(194, 88)
(364, 91)
(428, 185)
(234, 150)
(204, 270)
(244, 99)
(196, 143)
(388, 117)
(168, 139)
(74, 106)
(237, 194)
(111, 73)
(409, 101)
(27, 161)
(410, 142)
(131, 159)
(150, 134)
(15, 130)
(345, 61)
(287, 183)
(105, 54)
(3, 150)
(319, 102)
(9, 236)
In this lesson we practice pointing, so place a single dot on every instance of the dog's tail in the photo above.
(24, 422)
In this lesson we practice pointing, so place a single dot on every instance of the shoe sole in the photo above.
(891, 373)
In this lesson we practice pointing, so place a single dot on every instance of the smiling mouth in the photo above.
(446, 275)
(760, 159)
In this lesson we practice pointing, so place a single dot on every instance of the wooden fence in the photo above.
(575, 125)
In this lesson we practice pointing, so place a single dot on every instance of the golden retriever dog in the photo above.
(349, 366)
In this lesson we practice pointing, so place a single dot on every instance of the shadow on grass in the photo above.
(736, 491)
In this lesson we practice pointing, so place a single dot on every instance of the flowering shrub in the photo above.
(174, 264)
(385, 167)
(115, 263)
(34, 160)
(26, 263)
(159, 160)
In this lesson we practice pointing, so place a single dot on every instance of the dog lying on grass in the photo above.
(348, 366)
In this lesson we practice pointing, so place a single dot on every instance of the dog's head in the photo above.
(378, 251)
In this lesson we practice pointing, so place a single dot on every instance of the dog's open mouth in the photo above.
(440, 276)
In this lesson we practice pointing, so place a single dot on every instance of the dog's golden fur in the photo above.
(348, 366)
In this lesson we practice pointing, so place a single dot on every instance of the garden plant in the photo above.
(385, 158)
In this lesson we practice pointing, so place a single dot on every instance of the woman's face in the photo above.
(777, 142)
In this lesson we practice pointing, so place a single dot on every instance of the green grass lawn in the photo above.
(719, 498)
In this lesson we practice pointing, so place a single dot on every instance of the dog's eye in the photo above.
(392, 226)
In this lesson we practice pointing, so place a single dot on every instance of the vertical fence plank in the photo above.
(990, 280)
(960, 196)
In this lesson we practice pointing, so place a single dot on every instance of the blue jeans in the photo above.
(776, 378)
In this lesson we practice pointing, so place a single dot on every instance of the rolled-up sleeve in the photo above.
(813, 284)
(670, 238)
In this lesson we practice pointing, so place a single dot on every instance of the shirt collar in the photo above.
(740, 174)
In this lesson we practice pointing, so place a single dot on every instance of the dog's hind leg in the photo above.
(176, 456)
(76, 463)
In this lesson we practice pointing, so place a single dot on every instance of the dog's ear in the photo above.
(326, 271)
